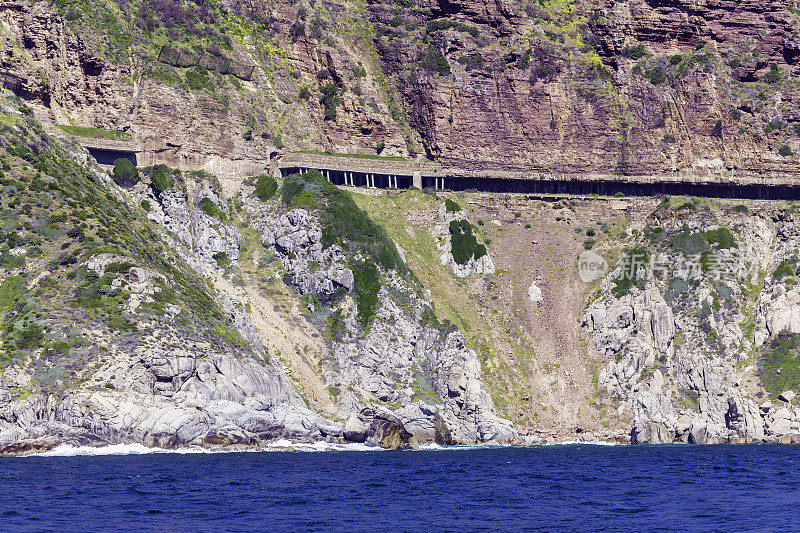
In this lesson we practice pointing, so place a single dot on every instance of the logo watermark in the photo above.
(638, 265)
(591, 266)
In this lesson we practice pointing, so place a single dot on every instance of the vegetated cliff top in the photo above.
(552, 86)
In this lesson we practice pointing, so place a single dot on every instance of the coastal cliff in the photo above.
(201, 300)
(149, 309)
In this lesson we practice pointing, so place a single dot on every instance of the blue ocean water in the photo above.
(557, 488)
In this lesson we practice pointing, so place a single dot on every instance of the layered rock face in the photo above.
(602, 87)
(74, 72)
(502, 88)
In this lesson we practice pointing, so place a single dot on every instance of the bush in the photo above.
(444, 24)
(434, 61)
(636, 52)
(656, 75)
(463, 244)
(450, 206)
(197, 78)
(222, 259)
(689, 243)
(210, 208)
(721, 238)
(634, 268)
(366, 287)
(266, 188)
(717, 132)
(774, 75)
(125, 173)
(779, 368)
(677, 286)
(785, 151)
(783, 270)
(329, 100)
(304, 93)
(161, 179)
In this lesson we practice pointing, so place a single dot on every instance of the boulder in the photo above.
(698, 434)
(387, 431)
(355, 429)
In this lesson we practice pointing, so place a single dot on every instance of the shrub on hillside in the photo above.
(463, 243)
(434, 61)
(329, 100)
(266, 188)
(160, 179)
(197, 78)
(779, 368)
(451, 206)
(125, 173)
(208, 207)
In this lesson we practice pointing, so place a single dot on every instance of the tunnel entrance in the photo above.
(105, 156)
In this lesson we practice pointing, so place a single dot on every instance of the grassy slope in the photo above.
(60, 216)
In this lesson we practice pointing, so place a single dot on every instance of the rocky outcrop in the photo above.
(678, 366)
(441, 233)
(311, 269)
(428, 374)
(636, 88)
(209, 242)
(165, 398)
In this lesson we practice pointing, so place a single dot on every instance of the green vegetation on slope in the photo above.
(266, 188)
(61, 215)
(83, 131)
(210, 208)
(779, 367)
(365, 243)
(464, 244)
(125, 174)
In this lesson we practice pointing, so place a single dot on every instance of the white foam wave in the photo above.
(65, 450)
(587, 443)
(282, 445)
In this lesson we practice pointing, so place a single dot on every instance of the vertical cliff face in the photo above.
(207, 86)
(555, 87)
(625, 88)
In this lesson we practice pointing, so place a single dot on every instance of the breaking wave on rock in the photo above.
(282, 445)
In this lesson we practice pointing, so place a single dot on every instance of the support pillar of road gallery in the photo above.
(417, 180)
